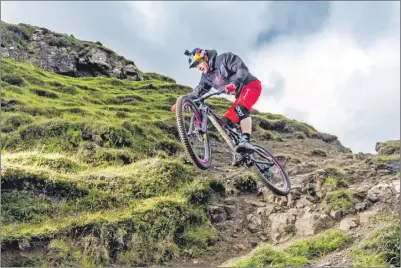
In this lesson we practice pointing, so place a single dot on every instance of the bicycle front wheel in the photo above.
(189, 123)
(270, 174)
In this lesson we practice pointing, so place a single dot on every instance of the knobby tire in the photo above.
(183, 135)
(266, 182)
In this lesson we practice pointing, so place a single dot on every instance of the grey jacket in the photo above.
(224, 69)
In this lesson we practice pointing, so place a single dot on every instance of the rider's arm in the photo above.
(235, 64)
(200, 89)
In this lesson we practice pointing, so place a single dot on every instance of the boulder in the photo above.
(310, 223)
(348, 223)
(381, 193)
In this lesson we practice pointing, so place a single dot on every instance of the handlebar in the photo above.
(208, 95)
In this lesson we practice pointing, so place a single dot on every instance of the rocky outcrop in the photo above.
(388, 147)
(64, 54)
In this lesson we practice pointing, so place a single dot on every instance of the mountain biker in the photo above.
(227, 71)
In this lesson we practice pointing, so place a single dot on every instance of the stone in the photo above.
(360, 191)
(4, 52)
(381, 192)
(265, 211)
(311, 223)
(279, 222)
(361, 206)
(230, 209)
(335, 215)
(348, 223)
(365, 217)
(218, 214)
(255, 223)
(256, 203)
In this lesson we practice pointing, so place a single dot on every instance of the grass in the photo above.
(388, 158)
(86, 157)
(92, 165)
(295, 255)
(382, 247)
(388, 147)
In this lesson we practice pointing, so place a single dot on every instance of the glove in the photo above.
(229, 88)
(173, 108)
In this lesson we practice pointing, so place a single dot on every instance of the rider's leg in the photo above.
(248, 97)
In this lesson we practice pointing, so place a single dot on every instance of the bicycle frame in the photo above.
(230, 136)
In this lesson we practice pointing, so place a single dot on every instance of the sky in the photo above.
(334, 65)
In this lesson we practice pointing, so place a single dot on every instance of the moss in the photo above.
(388, 158)
(246, 183)
(319, 245)
(13, 79)
(79, 166)
(296, 254)
(199, 240)
(333, 183)
(300, 135)
(388, 147)
(12, 121)
(380, 248)
(265, 256)
(340, 200)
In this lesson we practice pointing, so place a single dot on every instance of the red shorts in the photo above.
(249, 95)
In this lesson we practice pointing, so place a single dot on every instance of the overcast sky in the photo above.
(334, 65)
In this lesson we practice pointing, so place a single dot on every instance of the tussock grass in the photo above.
(295, 255)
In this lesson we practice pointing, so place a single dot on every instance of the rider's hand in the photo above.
(173, 108)
(229, 88)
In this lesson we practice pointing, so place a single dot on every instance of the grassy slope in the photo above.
(87, 167)
(297, 254)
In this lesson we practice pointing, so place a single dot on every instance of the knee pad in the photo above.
(241, 111)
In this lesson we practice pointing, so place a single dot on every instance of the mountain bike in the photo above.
(196, 130)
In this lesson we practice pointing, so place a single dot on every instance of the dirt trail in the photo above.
(241, 216)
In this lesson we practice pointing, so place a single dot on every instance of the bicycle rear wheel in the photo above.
(189, 124)
(267, 173)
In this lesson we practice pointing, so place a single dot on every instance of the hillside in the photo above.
(93, 174)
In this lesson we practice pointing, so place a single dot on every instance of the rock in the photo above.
(24, 244)
(99, 57)
(265, 211)
(361, 206)
(255, 203)
(218, 214)
(360, 156)
(381, 192)
(359, 191)
(255, 223)
(311, 223)
(348, 223)
(319, 152)
(4, 52)
(388, 147)
(230, 209)
(365, 217)
(231, 191)
(279, 223)
(63, 63)
(262, 237)
(46, 50)
(335, 215)
(303, 202)
(230, 201)
(281, 201)
(254, 241)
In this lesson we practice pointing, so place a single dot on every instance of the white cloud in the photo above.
(347, 86)
(355, 53)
